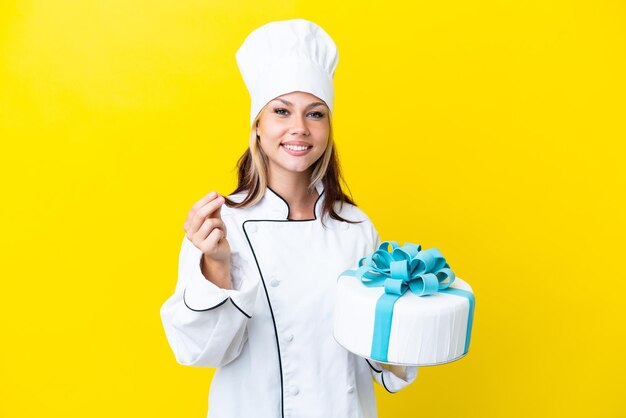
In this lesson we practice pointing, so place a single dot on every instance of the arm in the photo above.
(205, 325)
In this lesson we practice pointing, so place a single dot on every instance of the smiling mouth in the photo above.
(296, 149)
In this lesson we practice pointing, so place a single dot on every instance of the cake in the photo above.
(403, 307)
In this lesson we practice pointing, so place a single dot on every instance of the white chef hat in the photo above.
(284, 56)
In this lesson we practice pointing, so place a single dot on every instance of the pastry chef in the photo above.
(257, 269)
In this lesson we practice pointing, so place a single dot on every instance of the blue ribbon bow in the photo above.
(404, 268)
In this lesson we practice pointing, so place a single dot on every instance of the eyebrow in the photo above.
(310, 105)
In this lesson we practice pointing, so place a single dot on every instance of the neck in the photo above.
(294, 189)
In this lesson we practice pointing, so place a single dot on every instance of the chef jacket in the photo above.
(271, 336)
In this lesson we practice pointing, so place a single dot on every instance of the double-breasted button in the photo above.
(294, 390)
(345, 226)
(274, 282)
(290, 337)
(350, 389)
(251, 227)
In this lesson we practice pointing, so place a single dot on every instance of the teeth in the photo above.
(296, 147)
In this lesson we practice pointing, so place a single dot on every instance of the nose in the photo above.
(299, 126)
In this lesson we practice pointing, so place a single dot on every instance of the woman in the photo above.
(257, 270)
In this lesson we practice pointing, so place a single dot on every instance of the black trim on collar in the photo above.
(289, 209)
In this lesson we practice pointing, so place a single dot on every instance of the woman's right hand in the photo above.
(206, 230)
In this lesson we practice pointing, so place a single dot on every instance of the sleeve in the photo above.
(391, 377)
(205, 325)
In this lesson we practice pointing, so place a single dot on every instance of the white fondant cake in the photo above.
(425, 330)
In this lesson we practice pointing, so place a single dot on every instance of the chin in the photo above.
(296, 169)
(299, 170)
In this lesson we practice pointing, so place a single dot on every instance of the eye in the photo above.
(318, 115)
(284, 112)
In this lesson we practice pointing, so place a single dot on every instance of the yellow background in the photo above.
(492, 130)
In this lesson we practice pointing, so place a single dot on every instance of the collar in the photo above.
(279, 206)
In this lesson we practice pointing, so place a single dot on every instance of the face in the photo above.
(294, 130)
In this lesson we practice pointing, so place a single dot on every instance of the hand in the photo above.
(399, 371)
(206, 229)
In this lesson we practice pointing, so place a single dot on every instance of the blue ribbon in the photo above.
(405, 268)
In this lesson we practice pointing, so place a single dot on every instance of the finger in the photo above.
(201, 234)
(211, 209)
(211, 243)
(207, 227)
(205, 212)
(206, 199)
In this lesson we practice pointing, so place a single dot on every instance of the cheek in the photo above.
(321, 148)
(320, 132)
(323, 139)
(265, 146)
(272, 132)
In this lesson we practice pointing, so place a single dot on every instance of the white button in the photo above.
(290, 337)
(294, 390)
(274, 282)
(252, 227)
(350, 389)
(345, 225)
